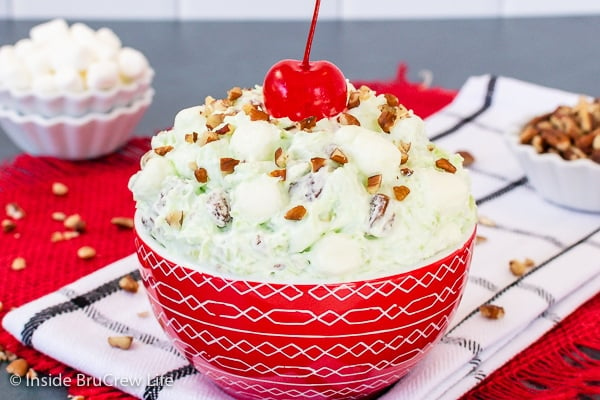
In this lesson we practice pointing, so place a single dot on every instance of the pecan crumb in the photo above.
(18, 264)
(128, 284)
(400, 192)
(14, 211)
(307, 123)
(353, 99)
(387, 118)
(255, 113)
(162, 150)
(121, 342)
(445, 165)
(518, 267)
(280, 158)
(338, 156)
(317, 163)
(373, 183)
(295, 213)
(122, 222)
(391, 100)
(201, 175)
(59, 189)
(86, 252)
(278, 173)
(18, 367)
(468, 158)
(348, 119)
(234, 93)
(8, 225)
(491, 311)
(480, 239)
(74, 222)
(191, 137)
(227, 164)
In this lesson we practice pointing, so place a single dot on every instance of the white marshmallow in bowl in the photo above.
(102, 75)
(69, 80)
(56, 29)
(132, 63)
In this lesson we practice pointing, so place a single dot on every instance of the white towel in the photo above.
(72, 324)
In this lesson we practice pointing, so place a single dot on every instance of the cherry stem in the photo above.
(311, 34)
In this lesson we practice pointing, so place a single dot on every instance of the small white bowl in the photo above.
(74, 104)
(73, 138)
(573, 184)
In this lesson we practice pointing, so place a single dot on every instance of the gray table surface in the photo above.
(196, 59)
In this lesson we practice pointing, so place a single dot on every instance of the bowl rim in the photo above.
(144, 236)
(144, 80)
(143, 101)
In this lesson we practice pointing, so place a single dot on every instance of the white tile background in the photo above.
(297, 9)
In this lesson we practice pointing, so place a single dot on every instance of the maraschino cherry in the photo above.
(301, 89)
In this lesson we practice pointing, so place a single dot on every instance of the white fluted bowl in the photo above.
(75, 104)
(569, 183)
(75, 138)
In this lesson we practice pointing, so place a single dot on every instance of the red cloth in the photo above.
(98, 191)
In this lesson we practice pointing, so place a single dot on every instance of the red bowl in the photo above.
(260, 340)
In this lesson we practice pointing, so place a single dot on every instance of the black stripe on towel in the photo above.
(483, 282)
(501, 191)
(489, 94)
(540, 291)
(74, 304)
(158, 383)
(472, 345)
(517, 282)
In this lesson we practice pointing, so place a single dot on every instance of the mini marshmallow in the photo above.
(14, 75)
(69, 80)
(132, 63)
(69, 53)
(102, 75)
(108, 37)
(49, 31)
(38, 61)
(43, 83)
(8, 54)
(24, 47)
(83, 34)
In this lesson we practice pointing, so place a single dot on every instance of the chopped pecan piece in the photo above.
(353, 99)
(14, 211)
(280, 158)
(278, 173)
(400, 192)
(295, 213)
(162, 150)
(255, 113)
(227, 164)
(338, 156)
(191, 137)
(201, 175)
(317, 163)
(468, 158)
(374, 183)
(391, 100)
(234, 93)
(491, 311)
(348, 119)
(387, 118)
(175, 219)
(446, 165)
(8, 225)
(307, 123)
